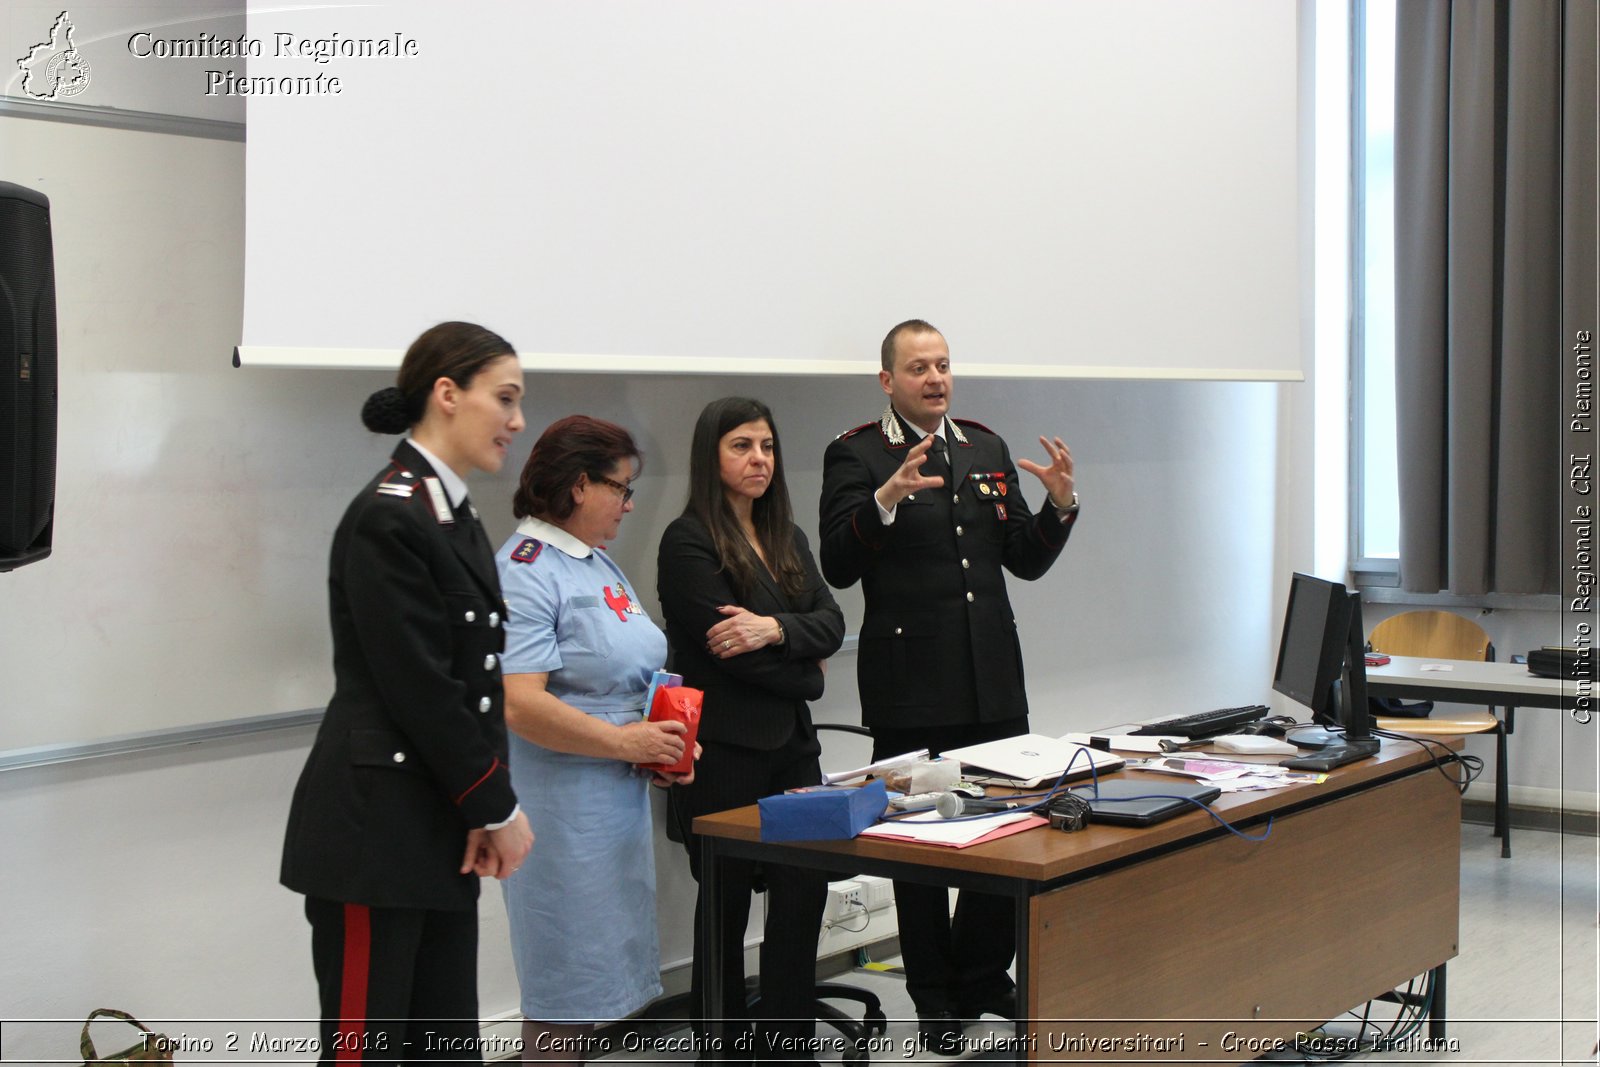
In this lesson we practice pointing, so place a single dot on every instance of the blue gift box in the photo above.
(824, 814)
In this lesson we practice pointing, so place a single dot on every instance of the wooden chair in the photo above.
(1443, 635)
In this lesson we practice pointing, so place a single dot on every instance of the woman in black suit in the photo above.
(750, 622)
(405, 799)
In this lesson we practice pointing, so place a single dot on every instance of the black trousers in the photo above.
(728, 776)
(396, 985)
(953, 963)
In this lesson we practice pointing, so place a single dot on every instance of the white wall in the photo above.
(188, 498)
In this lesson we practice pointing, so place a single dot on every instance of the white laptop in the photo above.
(1029, 760)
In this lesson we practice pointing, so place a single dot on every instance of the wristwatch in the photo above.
(1068, 511)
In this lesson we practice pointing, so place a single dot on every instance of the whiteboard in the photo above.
(1072, 187)
(183, 557)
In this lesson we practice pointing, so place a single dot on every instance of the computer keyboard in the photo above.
(1205, 723)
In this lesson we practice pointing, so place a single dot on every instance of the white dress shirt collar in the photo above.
(920, 432)
(553, 535)
(454, 485)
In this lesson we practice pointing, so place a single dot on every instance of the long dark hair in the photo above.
(771, 513)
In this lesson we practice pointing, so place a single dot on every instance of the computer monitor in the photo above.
(1311, 650)
(1321, 664)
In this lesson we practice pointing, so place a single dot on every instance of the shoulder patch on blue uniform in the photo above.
(528, 551)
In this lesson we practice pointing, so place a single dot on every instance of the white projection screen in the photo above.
(1068, 188)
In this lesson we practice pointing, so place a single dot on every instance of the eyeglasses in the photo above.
(625, 490)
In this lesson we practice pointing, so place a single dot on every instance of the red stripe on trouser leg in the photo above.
(353, 987)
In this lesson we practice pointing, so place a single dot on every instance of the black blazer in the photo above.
(938, 640)
(757, 700)
(412, 750)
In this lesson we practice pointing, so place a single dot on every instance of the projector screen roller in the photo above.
(1091, 189)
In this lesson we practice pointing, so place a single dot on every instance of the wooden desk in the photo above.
(1168, 939)
(1470, 682)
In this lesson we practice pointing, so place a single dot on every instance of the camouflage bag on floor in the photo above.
(150, 1048)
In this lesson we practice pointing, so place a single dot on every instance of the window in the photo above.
(1375, 496)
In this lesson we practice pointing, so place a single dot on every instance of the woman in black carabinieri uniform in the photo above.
(749, 621)
(405, 799)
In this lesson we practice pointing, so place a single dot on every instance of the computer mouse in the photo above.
(1264, 727)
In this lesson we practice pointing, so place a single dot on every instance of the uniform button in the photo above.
(407, 474)
(494, 618)
(472, 616)
(970, 598)
(911, 496)
(958, 531)
(898, 631)
(399, 757)
(488, 662)
(956, 498)
(485, 704)
(965, 564)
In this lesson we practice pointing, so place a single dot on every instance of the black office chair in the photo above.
(873, 1020)
(672, 1012)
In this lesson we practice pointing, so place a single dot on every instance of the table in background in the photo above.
(1507, 685)
(1177, 934)
(1504, 685)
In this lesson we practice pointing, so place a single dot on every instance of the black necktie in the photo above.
(468, 518)
(941, 460)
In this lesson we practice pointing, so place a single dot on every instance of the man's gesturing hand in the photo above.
(909, 478)
(1057, 475)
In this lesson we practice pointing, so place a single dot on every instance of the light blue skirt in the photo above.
(583, 906)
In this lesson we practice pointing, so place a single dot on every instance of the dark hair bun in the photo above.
(386, 411)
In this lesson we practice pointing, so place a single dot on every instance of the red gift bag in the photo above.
(677, 703)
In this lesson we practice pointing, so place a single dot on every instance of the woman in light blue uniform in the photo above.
(579, 655)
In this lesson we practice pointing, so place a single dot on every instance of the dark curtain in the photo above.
(1479, 233)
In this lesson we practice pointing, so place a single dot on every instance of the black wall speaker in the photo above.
(27, 377)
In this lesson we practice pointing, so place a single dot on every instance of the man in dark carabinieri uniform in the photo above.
(925, 511)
